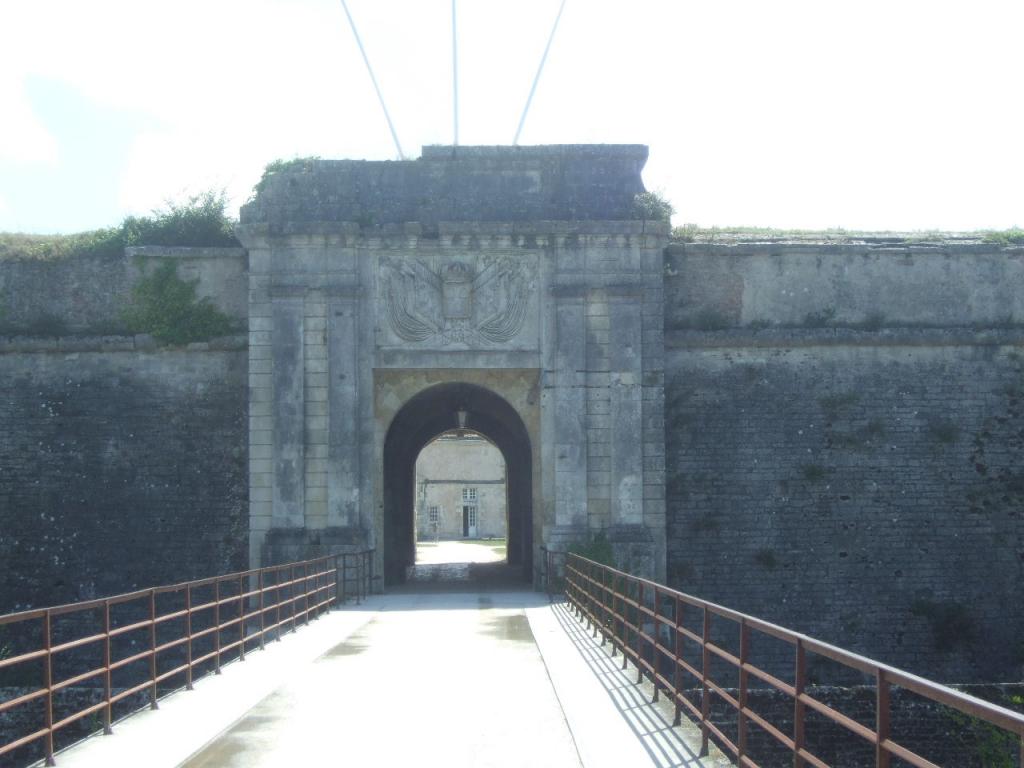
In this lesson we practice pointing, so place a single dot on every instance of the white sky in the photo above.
(895, 114)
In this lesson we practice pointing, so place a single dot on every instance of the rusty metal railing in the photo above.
(165, 637)
(645, 621)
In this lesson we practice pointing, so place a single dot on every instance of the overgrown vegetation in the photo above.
(651, 206)
(1012, 236)
(304, 164)
(598, 549)
(995, 748)
(951, 622)
(200, 221)
(691, 232)
(688, 233)
(166, 307)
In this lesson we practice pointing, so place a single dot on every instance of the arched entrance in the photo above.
(425, 416)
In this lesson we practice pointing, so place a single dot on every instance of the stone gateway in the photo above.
(514, 284)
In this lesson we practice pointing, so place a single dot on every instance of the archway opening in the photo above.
(445, 409)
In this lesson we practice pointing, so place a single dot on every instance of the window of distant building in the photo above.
(469, 494)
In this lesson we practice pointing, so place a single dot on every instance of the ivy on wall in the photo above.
(167, 308)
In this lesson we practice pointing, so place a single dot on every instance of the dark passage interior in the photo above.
(427, 415)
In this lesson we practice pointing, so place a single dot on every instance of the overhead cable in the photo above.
(543, 59)
(380, 96)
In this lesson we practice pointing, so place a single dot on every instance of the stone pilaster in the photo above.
(345, 441)
(289, 411)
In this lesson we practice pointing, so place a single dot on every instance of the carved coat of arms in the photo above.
(456, 304)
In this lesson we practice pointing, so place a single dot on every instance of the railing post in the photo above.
(799, 708)
(317, 573)
(305, 594)
(677, 645)
(343, 577)
(107, 682)
(277, 604)
(241, 617)
(359, 578)
(291, 597)
(263, 618)
(152, 648)
(612, 614)
(369, 559)
(48, 683)
(639, 631)
(188, 635)
(624, 604)
(705, 691)
(656, 645)
(604, 604)
(741, 717)
(216, 626)
(882, 719)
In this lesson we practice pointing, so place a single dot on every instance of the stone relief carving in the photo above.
(459, 303)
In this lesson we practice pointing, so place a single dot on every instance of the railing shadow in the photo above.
(653, 728)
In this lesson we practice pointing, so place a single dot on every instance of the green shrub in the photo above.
(199, 222)
(166, 307)
(651, 206)
(304, 164)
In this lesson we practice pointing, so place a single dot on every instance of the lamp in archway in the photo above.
(461, 416)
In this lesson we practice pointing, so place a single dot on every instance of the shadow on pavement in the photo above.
(664, 742)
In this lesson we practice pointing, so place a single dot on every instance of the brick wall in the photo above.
(119, 470)
(861, 484)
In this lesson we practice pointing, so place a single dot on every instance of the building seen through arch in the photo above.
(460, 489)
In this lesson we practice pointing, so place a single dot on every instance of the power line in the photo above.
(380, 96)
(455, 77)
(543, 59)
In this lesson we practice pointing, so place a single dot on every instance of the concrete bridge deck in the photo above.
(473, 678)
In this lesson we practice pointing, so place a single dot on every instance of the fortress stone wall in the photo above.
(845, 443)
(841, 421)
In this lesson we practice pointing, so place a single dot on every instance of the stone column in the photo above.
(261, 416)
(289, 411)
(570, 409)
(625, 395)
(345, 439)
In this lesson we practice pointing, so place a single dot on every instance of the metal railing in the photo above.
(165, 637)
(645, 621)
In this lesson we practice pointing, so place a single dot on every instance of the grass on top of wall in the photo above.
(693, 233)
(201, 221)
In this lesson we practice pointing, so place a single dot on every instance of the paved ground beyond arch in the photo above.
(486, 679)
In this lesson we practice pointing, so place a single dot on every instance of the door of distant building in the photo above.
(469, 521)
(469, 513)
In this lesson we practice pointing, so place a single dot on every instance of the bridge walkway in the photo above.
(468, 678)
